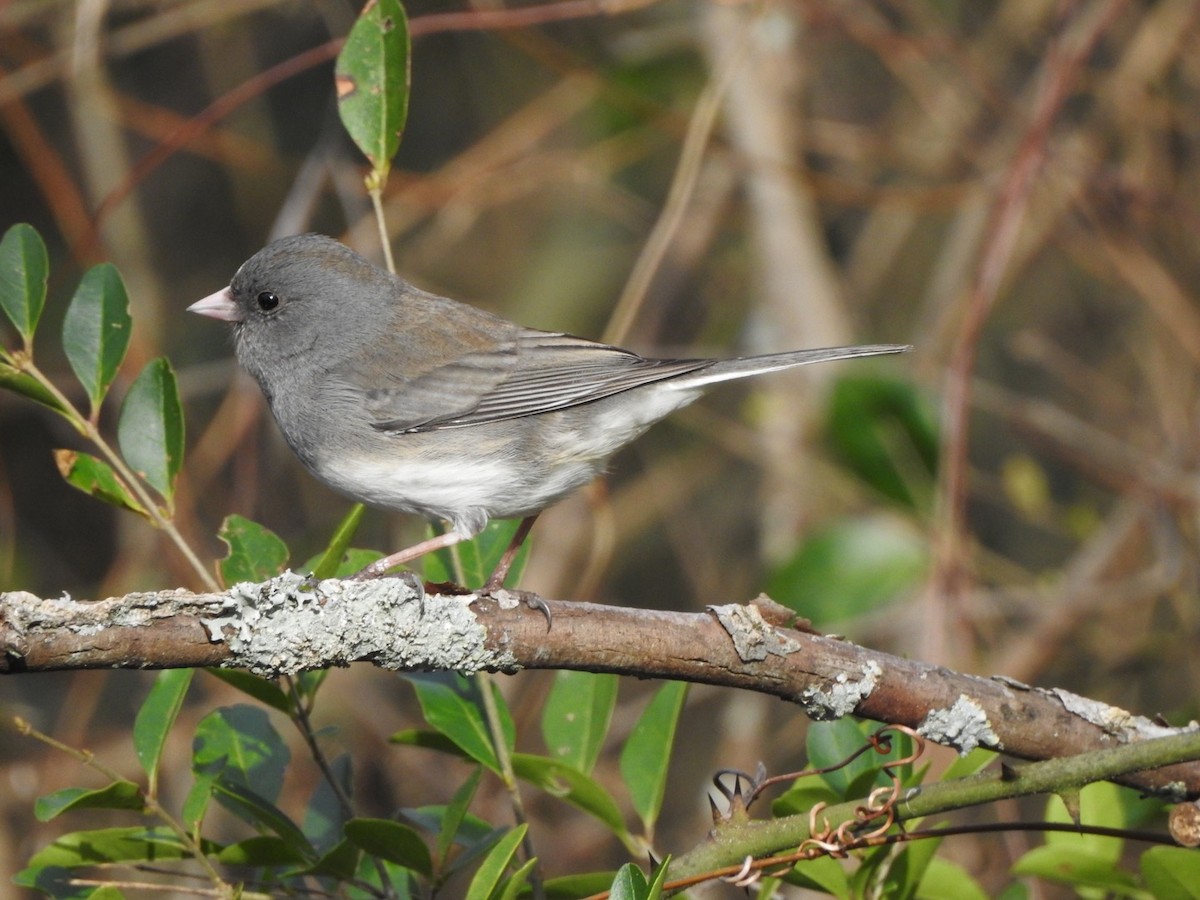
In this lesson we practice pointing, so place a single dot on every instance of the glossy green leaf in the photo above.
(156, 718)
(852, 567)
(576, 716)
(24, 267)
(255, 552)
(262, 851)
(392, 841)
(241, 745)
(328, 565)
(647, 751)
(451, 705)
(491, 870)
(372, 77)
(630, 884)
(454, 814)
(96, 479)
(885, 431)
(118, 795)
(803, 795)
(478, 557)
(261, 689)
(13, 379)
(561, 780)
(1171, 873)
(96, 330)
(195, 804)
(150, 428)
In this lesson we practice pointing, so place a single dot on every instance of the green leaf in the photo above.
(1171, 873)
(261, 851)
(1099, 804)
(261, 689)
(156, 718)
(823, 873)
(252, 807)
(24, 266)
(630, 884)
(341, 862)
(828, 743)
(97, 479)
(240, 744)
(572, 887)
(569, 784)
(255, 552)
(372, 78)
(885, 432)
(478, 557)
(490, 871)
(150, 428)
(118, 795)
(851, 567)
(90, 848)
(948, 879)
(576, 716)
(327, 566)
(518, 884)
(392, 841)
(96, 330)
(13, 379)
(451, 706)
(455, 812)
(647, 751)
(971, 764)
(1077, 866)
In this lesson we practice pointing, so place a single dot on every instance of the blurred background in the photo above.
(1009, 186)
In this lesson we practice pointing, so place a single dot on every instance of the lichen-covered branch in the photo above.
(292, 623)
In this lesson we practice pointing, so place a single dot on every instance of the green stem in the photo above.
(89, 430)
(152, 806)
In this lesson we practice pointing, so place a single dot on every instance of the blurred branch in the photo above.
(1058, 77)
(290, 623)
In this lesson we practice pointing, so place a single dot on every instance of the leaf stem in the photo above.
(91, 431)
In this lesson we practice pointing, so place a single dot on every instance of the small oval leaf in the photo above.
(372, 80)
(24, 266)
(255, 552)
(96, 330)
(150, 429)
(96, 478)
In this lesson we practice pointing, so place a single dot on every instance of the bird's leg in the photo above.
(496, 579)
(380, 566)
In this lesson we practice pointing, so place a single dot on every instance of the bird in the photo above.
(406, 400)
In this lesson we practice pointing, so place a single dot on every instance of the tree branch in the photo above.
(290, 623)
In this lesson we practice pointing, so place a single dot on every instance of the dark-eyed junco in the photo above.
(410, 401)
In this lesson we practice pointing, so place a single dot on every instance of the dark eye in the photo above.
(267, 301)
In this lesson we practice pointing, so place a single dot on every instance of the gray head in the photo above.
(299, 303)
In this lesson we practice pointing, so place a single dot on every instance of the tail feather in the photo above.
(727, 369)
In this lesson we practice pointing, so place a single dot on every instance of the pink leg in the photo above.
(380, 566)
